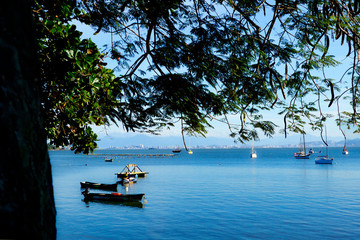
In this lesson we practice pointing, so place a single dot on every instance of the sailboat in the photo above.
(302, 151)
(253, 152)
(345, 151)
(176, 150)
(190, 152)
(324, 159)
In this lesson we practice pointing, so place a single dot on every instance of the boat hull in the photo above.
(302, 157)
(113, 197)
(112, 187)
(324, 160)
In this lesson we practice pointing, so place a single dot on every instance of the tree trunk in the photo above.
(27, 208)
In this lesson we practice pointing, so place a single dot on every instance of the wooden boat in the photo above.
(302, 151)
(131, 170)
(112, 197)
(112, 187)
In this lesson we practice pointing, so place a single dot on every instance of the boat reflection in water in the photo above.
(128, 204)
(115, 198)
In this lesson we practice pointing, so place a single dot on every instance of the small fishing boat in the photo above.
(190, 152)
(108, 159)
(128, 180)
(302, 151)
(112, 187)
(131, 170)
(112, 197)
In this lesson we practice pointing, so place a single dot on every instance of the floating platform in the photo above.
(131, 170)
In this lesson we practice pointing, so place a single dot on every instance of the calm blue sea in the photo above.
(212, 194)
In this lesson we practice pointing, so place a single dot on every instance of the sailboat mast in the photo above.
(304, 144)
(327, 151)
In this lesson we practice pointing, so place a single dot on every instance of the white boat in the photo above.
(302, 151)
(128, 180)
(324, 159)
(253, 152)
(345, 151)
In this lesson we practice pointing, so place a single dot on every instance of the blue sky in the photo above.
(221, 130)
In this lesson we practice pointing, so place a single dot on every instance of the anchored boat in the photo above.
(128, 180)
(112, 197)
(302, 151)
(111, 187)
(324, 159)
(176, 150)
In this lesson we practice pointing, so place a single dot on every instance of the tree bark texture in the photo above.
(27, 208)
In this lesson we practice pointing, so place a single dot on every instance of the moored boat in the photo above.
(253, 152)
(324, 160)
(128, 180)
(131, 170)
(112, 187)
(176, 150)
(112, 197)
(302, 151)
(108, 159)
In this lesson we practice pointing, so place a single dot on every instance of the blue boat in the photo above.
(324, 159)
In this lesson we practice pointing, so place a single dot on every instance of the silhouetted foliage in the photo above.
(194, 62)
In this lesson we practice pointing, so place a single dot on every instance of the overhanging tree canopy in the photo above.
(193, 62)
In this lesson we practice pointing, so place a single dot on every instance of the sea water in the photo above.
(212, 194)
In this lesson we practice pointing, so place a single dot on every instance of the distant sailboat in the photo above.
(324, 159)
(345, 151)
(253, 152)
(302, 151)
(190, 152)
(176, 150)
